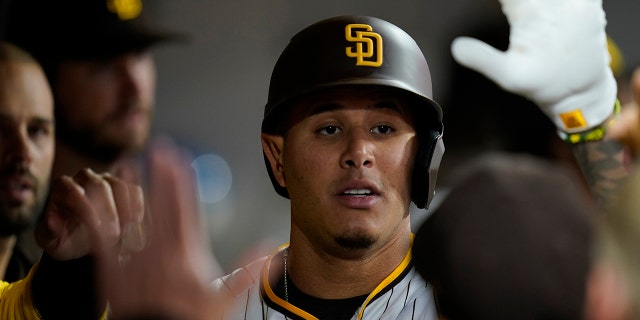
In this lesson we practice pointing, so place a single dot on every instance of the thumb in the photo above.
(481, 57)
(50, 230)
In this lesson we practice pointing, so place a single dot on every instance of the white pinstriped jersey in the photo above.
(402, 295)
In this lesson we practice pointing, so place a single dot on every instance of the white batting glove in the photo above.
(557, 58)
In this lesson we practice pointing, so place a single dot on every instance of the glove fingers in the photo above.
(481, 57)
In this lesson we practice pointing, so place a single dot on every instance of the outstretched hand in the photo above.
(81, 204)
(557, 57)
(171, 275)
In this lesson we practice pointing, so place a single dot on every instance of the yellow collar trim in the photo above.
(305, 315)
(267, 288)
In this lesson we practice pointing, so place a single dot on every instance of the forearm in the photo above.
(605, 165)
(52, 290)
(66, 290)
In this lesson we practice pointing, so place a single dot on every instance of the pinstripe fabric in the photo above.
(406, 296)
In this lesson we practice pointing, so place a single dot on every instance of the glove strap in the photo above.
(594, 134)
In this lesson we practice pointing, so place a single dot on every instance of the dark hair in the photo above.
(511, 240)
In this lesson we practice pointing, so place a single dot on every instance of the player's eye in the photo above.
(37, 131)
(329, 130)
(382, 129)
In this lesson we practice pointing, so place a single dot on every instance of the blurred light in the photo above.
(213, 176)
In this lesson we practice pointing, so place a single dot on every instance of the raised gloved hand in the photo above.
(557, 58)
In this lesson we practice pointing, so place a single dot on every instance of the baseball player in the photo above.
(351, 135)
(349, 112)
(27, 146)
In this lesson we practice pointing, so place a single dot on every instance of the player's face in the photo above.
(106, 104)
(26, 144)
(346, 162)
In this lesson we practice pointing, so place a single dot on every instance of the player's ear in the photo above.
(273, 146)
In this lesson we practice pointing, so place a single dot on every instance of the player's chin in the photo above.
(131, 141)
(16, 219)
(355, 241)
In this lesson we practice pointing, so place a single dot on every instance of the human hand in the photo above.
(170, 277)
(557, 58)
(85, 203)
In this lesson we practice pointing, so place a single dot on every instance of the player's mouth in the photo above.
(357, 192)
(361, 195)
(133, 116)
(16, 188)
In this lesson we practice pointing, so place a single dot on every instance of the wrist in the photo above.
(55, 283)
(587, 109)
(595, 133)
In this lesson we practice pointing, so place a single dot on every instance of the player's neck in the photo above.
(322, 275)
(6, 250)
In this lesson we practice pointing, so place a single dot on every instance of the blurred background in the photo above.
(212, 89)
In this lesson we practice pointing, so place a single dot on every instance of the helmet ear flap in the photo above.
(425, 168)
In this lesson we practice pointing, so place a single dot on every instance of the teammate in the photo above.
(26, 146)
(613, 284)
(613, 287)
(98, 59)
(351, 135)
(512, 240)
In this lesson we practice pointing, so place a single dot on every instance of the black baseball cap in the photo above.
(82, 29)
